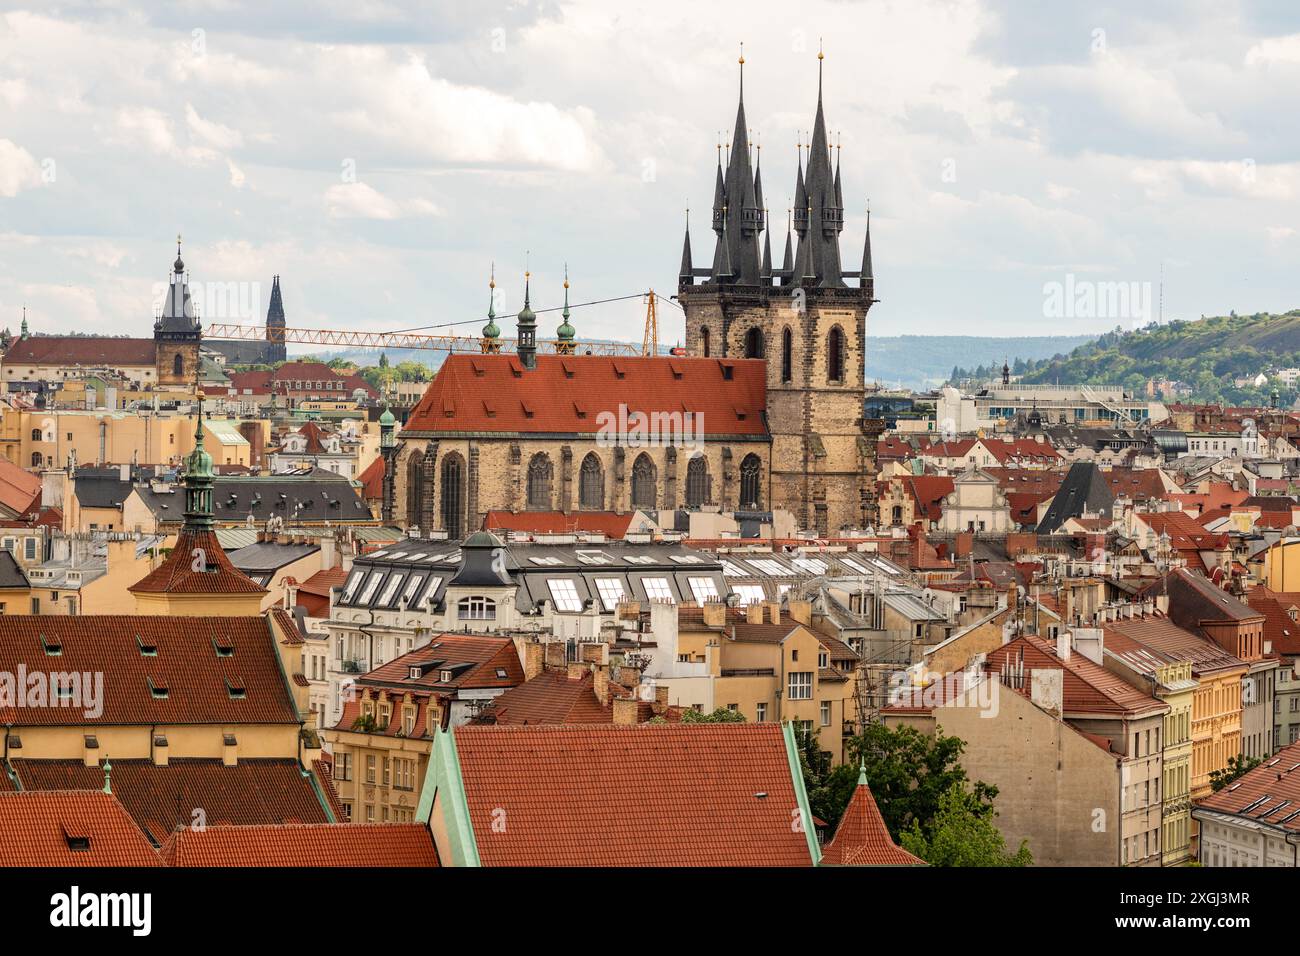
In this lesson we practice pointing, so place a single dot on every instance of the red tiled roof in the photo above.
(862, 839)
(1159, 633)
(324, 770)
(201, 685)
(41, 829)
(372, 480)
(314, 593)
(1278, 625)
(657, 795)
(81, 350)
(929, 491)
(1277, 779)
(19, 489)
(1086, 687)
(160, 799)
(574, 394)
(611, 525)
(176, 574)
(304, 845)
(552, 697)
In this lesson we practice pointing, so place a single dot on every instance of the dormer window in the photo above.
(476, 608)
(53, 645)
(445, 677)
(235, 688)
(158, 689)
(148, 646)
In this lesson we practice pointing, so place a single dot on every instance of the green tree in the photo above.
(962, 833)
(909, 772)
(720, 716)
(1237, 766)
(383, 360)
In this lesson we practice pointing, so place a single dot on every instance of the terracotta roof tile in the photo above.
(160, 799)
(176, 574)
(1268, 794)
(191, 679)
(552, 697)
(862, 839)
(567, 394)
(657, 795)
(81, 350)
(608, 523)
(304, 845)
(74, 829)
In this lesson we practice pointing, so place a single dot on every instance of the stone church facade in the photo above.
(775, 367)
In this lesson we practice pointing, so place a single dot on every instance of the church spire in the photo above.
(766, 271)
(199, 476)
(823, 220)
(491, 341)
(686, 273)
(526, 342)
(564, 334)
(868, 278)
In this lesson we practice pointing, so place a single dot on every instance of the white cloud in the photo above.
(18, 169)
(362, 201)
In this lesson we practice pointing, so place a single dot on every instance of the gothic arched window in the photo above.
(754, 343)
(751, 483)
(787, 355)
(178, 367)
(644, 475)
(414, 487)
(591, 483)
(539, 482)
(835, 355)
(697, 482)
(452, 496)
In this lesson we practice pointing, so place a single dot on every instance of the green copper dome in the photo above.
(388, 419)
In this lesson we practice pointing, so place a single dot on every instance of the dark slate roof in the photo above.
(11, 575)
(1084, 489)
(269, 555)
(318, 496)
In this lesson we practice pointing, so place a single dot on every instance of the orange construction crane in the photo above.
(400, 340)
(650, 342)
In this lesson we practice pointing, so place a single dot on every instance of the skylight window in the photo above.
(733, 570)
(811, 565)
(657, 589)
(412, 586)
(564, 592)
(704, 589)
(390, 589)
(350, 589)
(611, 592)
(749, 593)
(372, 585)
(768, 566)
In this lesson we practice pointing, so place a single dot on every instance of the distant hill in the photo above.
(927, 361)
(1206, 355)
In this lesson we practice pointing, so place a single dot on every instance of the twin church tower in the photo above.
(807, 318)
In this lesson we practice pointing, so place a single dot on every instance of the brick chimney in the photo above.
(625, 711)
(533, 659)
(715, 615)
(554, 654)
(773, 611)
(754, 612)
(800, 611)
(577, 671)
(600, 683)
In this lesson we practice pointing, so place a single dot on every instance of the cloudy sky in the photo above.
(379, 155)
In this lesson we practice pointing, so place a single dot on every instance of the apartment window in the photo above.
(36, 605)
(564, 592)
(800, 685)
(760, 712)
(29, 549)
(387, 771)
(657, 589)
(476, 609)
(826, 713)
(343, 766)
(823, 659)
(370, 769)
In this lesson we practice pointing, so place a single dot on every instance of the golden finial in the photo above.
(492, 281)
(742, 52)
(820, 54)
(566, 275)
